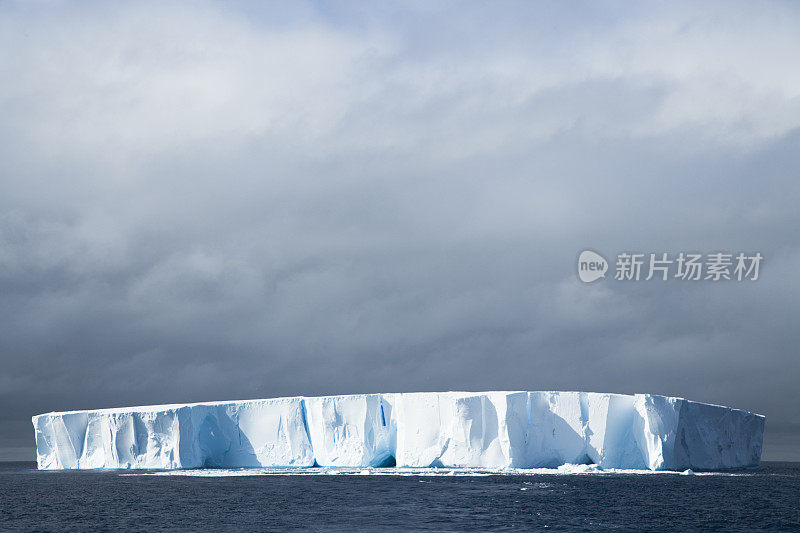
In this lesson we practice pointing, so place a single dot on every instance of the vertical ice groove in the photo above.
(452, 429)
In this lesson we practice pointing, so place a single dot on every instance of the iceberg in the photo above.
(488, 430)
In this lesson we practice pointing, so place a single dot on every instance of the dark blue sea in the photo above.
(766, 498)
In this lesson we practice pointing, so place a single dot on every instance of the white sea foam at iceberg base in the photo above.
(562, 470)
(569, 432)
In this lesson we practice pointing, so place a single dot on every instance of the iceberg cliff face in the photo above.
(450, 429)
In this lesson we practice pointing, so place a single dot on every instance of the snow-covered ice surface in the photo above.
(466, 432)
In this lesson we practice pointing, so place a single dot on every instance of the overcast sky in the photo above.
(208, 201)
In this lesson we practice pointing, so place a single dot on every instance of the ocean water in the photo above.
(766, 498)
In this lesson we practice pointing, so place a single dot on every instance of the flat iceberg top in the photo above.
(168, 406)
(494, 430)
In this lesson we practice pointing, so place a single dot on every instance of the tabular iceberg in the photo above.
(492, 430)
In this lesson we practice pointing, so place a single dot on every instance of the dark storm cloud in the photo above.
(208, 202)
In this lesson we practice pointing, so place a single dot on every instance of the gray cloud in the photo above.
(216, 201)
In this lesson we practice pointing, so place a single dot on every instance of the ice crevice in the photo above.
(487, 430)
